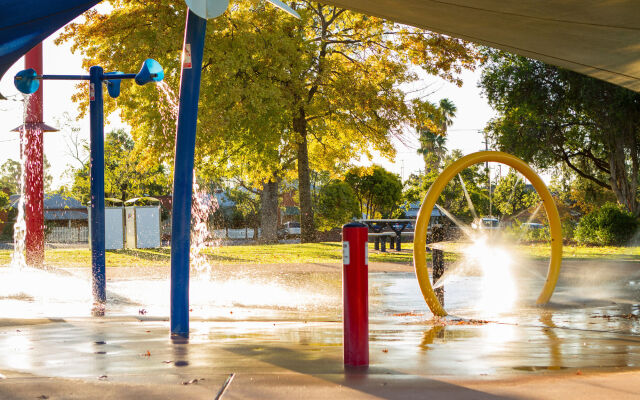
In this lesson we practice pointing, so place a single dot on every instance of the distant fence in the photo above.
(243, 233)
(64, 234)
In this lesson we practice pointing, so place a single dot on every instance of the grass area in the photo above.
(298, 254)
(583, 252)
(248, 254)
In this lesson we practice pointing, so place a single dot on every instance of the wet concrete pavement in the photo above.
(586, 344)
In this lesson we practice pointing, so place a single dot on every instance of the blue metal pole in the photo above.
(96, 110)
(193, 48)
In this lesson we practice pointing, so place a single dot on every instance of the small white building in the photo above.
(142, 223)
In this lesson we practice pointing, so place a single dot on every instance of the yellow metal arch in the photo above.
(420, 235)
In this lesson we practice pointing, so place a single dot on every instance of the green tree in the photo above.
(511, 196)
(378, 191)
(11, 171)
(247, 205)
(548, 116)
(124, 177)
(4, 203)
(453, 198)
(317, 90)
(337, 204)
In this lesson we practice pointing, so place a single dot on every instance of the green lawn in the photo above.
(249, 254)
(584, 252)
(299, 253)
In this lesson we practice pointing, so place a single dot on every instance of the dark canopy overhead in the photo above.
(600, 38)
(25, 23)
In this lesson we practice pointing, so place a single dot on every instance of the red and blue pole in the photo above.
(355, 296)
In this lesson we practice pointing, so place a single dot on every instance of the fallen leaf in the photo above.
(407, 314)
(385, 350)
(579, 372)
(192, 381)
(148, 353)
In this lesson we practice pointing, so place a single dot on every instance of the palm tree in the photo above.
(433, 141)
(447, 112)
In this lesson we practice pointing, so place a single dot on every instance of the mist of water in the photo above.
(18, 260)
(466, 195)
(466, 229)
(203, 205)
(169, 107)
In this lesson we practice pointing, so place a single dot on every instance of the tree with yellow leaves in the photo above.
(278, 95)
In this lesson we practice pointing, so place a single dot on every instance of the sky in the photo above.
(471, 117)
(473, 113)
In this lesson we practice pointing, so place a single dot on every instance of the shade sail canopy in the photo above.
(600, 38)
(25, 23)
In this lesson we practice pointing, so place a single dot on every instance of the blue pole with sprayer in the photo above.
(192, 51)
(28, 81)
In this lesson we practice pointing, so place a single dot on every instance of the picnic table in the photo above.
(397, 226)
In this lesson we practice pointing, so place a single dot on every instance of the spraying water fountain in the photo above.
(28, 81)
(290, 321)
(192, 51)
(499, 259)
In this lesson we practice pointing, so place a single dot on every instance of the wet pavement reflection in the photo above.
(292, 321)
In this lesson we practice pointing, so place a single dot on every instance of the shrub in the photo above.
(337, 204)
(607, 225)
(568, 229)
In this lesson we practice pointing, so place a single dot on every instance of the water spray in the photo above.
(28, 81)
(419, 248)
(192, 52)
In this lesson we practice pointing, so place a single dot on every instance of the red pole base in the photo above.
(355, 296)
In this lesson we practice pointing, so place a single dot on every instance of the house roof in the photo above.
(64, 215)
(54, 202)
(223, 200)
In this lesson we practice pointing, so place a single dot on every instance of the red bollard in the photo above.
(355, 297)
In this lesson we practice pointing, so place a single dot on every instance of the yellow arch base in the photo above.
(420, 235)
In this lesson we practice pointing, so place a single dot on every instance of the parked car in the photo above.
(289, 229)
(532, 225)
(486, 223)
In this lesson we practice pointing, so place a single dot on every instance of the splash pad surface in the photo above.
(280, 331)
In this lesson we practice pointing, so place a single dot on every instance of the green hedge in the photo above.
(607, 225)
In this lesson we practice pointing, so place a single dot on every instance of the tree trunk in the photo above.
(623, 182)
(269, 212)
(307, 225)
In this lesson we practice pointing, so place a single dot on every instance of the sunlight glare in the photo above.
(498, 284)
